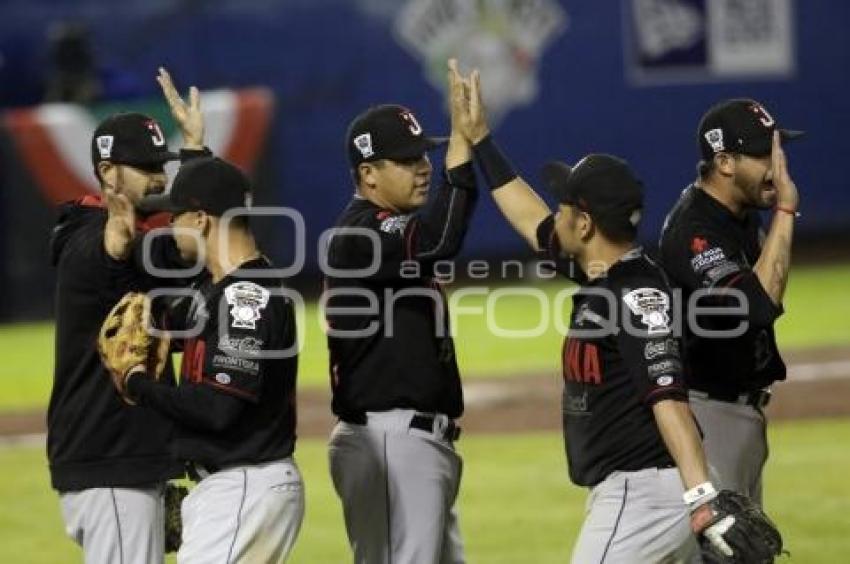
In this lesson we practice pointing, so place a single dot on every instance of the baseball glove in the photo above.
(124, 341)
(173, 499)
(734, 530)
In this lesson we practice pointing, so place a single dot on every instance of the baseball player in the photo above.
(394, 376)
(629, 434)
(234, 409)
(107, 462)
(713, 242)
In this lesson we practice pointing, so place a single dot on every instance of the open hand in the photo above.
(188, 116)
(786, 191)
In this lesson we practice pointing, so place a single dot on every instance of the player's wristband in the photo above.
(495, 166)
(789, 211)
(699, 495)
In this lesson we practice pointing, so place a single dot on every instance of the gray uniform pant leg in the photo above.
(116, 525)
(637, 518)
(735, 442)
(249, 513)
(398, 489)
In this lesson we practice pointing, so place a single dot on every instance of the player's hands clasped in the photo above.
(188, 116)
(469, 116)
(787, 196)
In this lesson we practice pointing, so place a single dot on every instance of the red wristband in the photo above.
(789, 211)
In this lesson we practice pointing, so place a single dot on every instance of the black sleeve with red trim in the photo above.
(424, 237)
(702, 258)
(647, 345)
(550, 250)
(193, 405)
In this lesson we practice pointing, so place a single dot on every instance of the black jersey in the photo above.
(388, 334)
(619, 358)
(93, 438)
(704, 247)
(244, 355)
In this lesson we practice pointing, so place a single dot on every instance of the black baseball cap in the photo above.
(740, 125)
(388, 131)
(602, 185)
(133, 139)
(210, 184)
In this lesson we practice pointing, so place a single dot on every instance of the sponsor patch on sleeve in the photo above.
(660, 347)
(667, 367)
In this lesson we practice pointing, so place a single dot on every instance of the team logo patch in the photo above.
(412, 125)
(715, 139)
(246, 299)
(104, 145)
(395, 224)
(653, 306)
(363, 143)
(664, 380)
(157, 138)
(223, 378)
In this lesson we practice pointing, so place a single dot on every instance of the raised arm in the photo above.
(517, 201)
(772, 266)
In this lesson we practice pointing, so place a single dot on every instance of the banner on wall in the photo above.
(669, 41)
(52, 140)
(504, 39)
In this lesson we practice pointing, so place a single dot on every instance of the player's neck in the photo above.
(229, 251)
(600, 254)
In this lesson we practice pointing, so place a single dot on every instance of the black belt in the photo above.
(420, 421)
(757, 398)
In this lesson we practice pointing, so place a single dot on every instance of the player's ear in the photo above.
(106, 172)
(724, 163)
(585, 225)
(367, 175)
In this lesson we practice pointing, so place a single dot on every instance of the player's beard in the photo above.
(758, 192)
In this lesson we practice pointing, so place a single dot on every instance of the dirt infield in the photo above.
(818, 385)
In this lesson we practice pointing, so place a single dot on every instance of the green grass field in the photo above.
(516, 503)
(817, 313)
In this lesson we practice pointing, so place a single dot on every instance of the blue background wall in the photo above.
(328, 59)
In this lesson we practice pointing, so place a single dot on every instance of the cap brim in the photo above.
(417, 149)
(159, 203)
(554, 175)
(790, 134)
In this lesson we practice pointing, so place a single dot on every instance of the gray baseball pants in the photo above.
(398, 488)
(250, 513)
(637, 518)
(116, 525)
(735, 442)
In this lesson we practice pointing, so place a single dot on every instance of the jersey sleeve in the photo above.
(550, 250)
(247, 320)
(647, 344)
(423, 237)
(700, 257)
